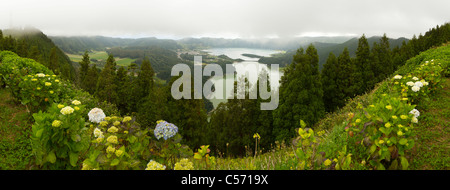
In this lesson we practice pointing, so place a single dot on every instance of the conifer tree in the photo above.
(142, 86)
(22, 48)
(362, 61)
(332, 96)
(346, 79)
(1, 40)
(123, 91)
(106, 86)
(189, 115)
(84, 67)
(145, 78)
(34, 53)
(300, 94)
(381, 60)
(90, 82)
(54, 61)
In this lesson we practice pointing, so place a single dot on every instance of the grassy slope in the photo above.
(433, 133)
(15, 129)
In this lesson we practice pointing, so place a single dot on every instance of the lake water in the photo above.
(249, 65)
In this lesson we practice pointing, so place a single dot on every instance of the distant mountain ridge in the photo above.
(77, 44)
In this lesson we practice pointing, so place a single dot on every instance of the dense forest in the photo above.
(306, 92)
(34, 44)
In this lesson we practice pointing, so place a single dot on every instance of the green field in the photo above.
(101, 56)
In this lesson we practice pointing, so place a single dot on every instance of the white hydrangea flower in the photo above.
(76, 102)
(415, 78)
(67, 110)
(415, 112)
(152, 165)
(96, 115)
(410, 83)
(415, 88)
(419, 84)
(98, 132)
(414, 120)
(397, 77)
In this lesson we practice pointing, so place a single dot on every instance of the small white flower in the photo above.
(414, 120)
(415, 88)
(425, 83)
(397, 77)
(67, 110)
(415, 78)
(96, 115)
(76, 102)
(410, 83)
(40, 75)
(418, 83)
(98, 132)
(415, 112)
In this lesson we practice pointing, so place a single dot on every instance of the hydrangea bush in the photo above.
(384, 130)
(118, 143)
(59, 136)
(39, 91)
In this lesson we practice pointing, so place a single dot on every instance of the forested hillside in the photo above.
(34, 44)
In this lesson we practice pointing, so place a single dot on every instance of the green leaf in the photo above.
(403, 141)
(131, 139)
(302, 124)
(75, 137)
(394, 165)
(197, 156)
(51, 157)
(373, 148)
(404, 163)
(39, 133)
(115, 162)
(73, 158)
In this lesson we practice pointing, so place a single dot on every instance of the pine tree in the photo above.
(145, 78)
(362, 61)
(1, 40)
(106, 86)
(346, 78)
(84, 68)
(54, 61)
(22, 48)
(123, 91)
(90, 82)
(142, 86)
(332, 96)
(34, 53)
(300, 94)
(375, 65)
(384, 60)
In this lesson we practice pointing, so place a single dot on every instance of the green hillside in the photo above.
(32, 43)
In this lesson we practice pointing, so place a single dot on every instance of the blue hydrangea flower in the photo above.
(165, 130)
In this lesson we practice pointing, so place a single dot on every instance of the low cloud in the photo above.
(226, 18)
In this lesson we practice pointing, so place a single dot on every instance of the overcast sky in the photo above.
(226, 18)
